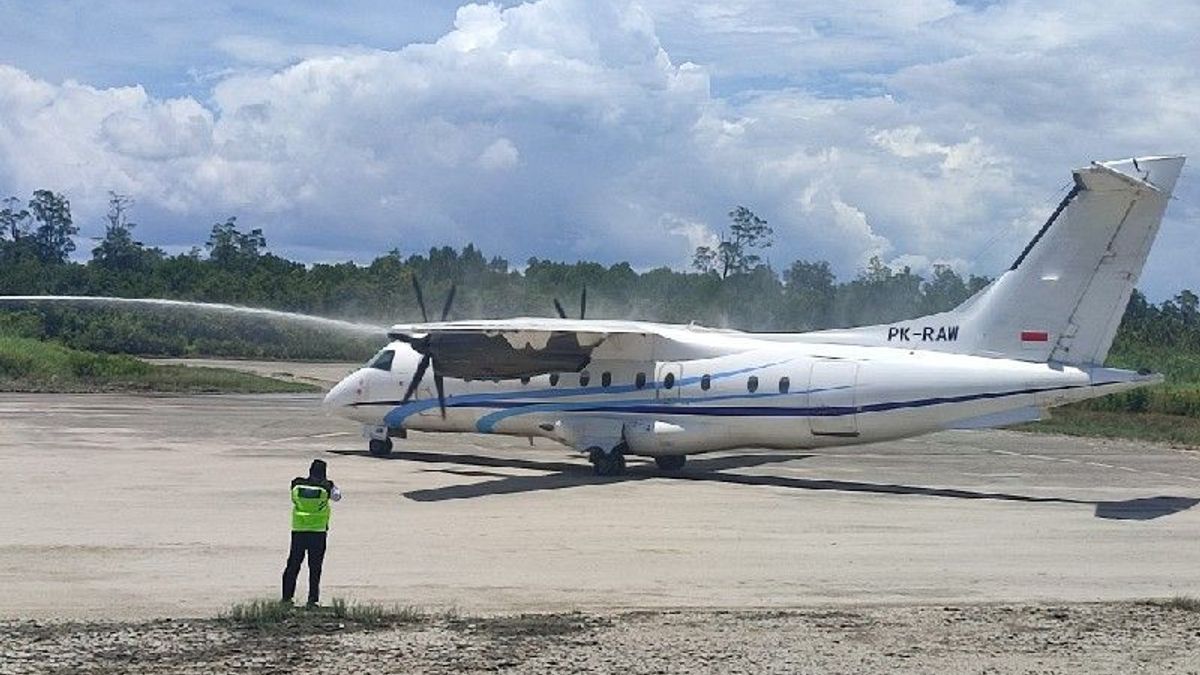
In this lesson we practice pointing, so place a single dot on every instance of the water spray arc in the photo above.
(316, 321)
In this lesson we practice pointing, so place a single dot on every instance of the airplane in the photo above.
(1034, 338)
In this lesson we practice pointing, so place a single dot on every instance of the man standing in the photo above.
(310, 526)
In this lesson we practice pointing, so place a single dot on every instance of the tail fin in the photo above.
(1064, 296)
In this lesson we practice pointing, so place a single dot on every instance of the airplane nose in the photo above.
(338, 396)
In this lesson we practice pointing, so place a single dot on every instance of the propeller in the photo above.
(562, 313)
(427, 359)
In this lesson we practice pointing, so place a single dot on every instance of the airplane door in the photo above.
(831, 387)
(667, 379)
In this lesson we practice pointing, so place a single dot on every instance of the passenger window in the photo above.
(383, 360)
(752, 384)
(640, 380)
(605, 379)
(784, 385)
(706, 382)
(553, 379)
(584, 378)
(669, 380)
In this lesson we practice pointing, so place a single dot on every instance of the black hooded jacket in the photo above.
(316, 477)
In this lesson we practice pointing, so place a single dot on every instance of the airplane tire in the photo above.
(670, 462)
(607, 463)
(380, 448)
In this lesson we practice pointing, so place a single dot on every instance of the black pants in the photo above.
(313, 544)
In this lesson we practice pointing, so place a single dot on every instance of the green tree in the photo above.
(52, 236)
(705, 259)
(946, 290)
(118, 250)
(733, 254)
(809, 292)
(879, 294)
(232, 249)
(14, 220)
(16, 240)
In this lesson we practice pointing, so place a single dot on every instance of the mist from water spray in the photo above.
(316, 321)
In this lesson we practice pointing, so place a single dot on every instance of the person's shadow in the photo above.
(565, 474)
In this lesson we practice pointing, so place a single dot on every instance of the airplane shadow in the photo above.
(560, 475)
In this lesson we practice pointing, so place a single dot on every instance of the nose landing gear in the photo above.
(380, 447)
(380, 439)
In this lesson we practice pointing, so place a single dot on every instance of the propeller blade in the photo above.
(417, 376)
(582, 303)
(441, 392)
(420, 298)
(446, 307)
(562, 313)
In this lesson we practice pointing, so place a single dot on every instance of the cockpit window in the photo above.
(382, 360)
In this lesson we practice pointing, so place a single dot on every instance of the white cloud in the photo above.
(609, 129)
(499, 155)
(159, 130)
(694, 234)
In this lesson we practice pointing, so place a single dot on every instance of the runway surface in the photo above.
(134, 507)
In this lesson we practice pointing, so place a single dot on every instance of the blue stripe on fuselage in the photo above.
(509, 399)
(506, 409)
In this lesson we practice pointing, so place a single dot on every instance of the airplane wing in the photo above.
(525, 347)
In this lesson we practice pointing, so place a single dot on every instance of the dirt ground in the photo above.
(1118, 638)
(963, 552)
(136, 507)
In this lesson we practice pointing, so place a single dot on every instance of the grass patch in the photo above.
(1072, 420)
(30, 365)
(259, 613)
(1166, 413)
(340, 614)
(368, 614)
(1185, 603)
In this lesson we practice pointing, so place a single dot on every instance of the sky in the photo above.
(923, 132)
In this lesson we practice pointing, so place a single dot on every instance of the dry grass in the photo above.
(339, 614)
(1185, 603)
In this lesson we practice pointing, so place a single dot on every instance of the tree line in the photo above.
(730, 286)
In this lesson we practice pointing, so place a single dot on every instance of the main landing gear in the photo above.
(607, 462)
(670, 462)
(612, 462)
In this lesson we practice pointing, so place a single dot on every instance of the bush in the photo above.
(34, 365)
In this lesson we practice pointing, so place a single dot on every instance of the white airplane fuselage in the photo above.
(804, 395)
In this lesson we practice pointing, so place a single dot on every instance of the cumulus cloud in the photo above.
(619, 130)
(499, 155)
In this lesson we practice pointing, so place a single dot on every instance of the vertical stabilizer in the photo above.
(1063, 297)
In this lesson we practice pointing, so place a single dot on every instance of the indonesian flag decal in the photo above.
(1034, 336)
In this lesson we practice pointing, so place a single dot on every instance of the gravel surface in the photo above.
(1078, 638)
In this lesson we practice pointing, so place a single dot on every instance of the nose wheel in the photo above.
(380, 447)
(607, 462)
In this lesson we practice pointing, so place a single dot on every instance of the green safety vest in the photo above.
(310, 509)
